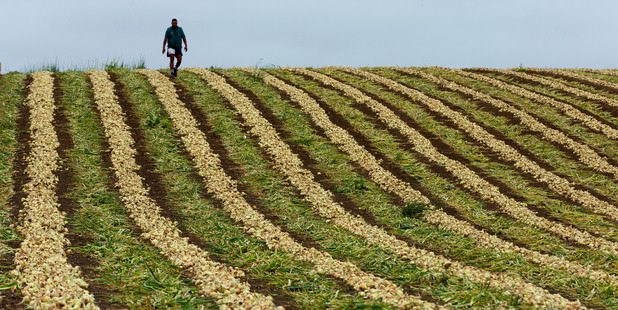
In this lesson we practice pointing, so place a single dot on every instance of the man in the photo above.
(173, 36)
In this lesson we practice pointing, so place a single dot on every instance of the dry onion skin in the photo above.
(48, 281)
(321, 200)
(212, 278)
(224, 188)
(389, 182)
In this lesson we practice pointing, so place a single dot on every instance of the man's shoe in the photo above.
(176, 72)
(172, 73)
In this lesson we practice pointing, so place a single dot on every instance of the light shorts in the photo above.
(173, 51)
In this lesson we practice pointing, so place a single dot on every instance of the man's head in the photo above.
(174, 23)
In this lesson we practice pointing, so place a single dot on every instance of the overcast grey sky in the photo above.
(315, 33)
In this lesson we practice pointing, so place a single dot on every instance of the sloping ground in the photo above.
(310, 188)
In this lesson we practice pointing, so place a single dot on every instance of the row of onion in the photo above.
(48, 281)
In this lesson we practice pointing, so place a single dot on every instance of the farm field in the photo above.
(309, 188)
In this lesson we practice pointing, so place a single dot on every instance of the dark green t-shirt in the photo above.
(174, 37)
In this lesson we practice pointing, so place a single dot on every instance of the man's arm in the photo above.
(165, 41)
(185, 40)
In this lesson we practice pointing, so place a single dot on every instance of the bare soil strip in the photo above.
(41, 262)
(214, 279)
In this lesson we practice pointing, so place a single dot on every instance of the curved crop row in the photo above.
(567, 109)
(611, 72)
(504, 151)
(225, 189)
(585, 154)
(213, 279)
(466, 176)
(48, 280)
(291, 165)
(391, 183)
(573, 90)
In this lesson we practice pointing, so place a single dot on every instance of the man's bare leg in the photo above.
(179, 60)
(171, 63)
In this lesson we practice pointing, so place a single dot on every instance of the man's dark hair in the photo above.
(174, 19)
